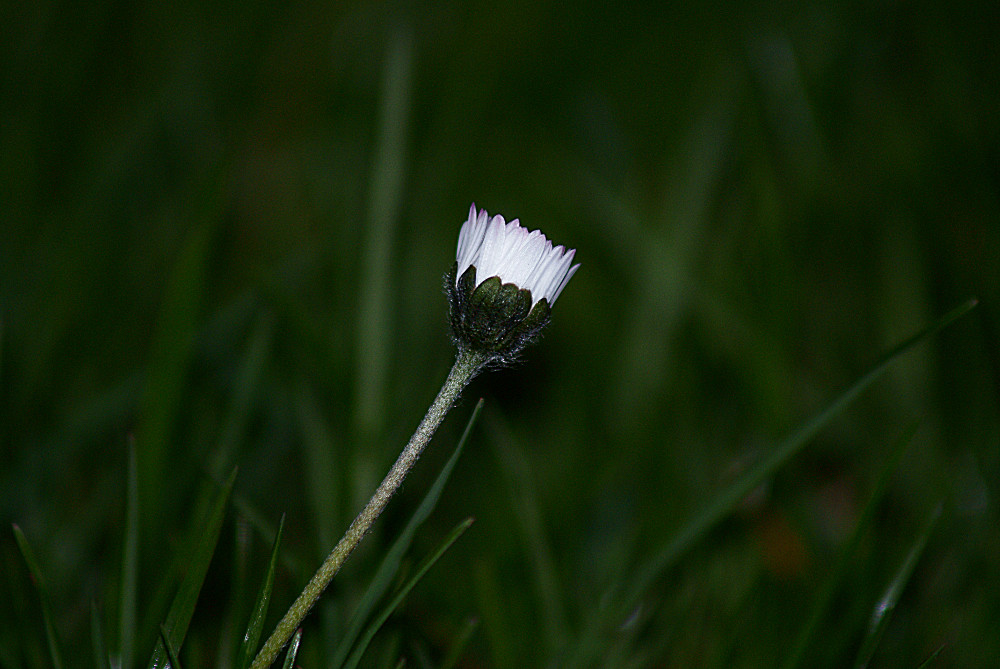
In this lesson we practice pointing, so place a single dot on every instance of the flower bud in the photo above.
(502, 285)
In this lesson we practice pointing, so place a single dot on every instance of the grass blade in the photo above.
(171, 350)
(171, 653)
(429, 562)
(524, 500)
(36, 576)
(250, 640)
(458, 645)
(885, 606)
(293, 650)
(101, 658)
(182, 608)
(324, 483)
(247, 382)
(843, 564)
(502, 639)
(618, 608)
(390, 564)
(375, 299)
(926, 663)
(322, 469)
(129, 586)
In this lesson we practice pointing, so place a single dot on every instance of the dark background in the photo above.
(224, 227)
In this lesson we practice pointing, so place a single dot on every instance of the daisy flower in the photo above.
(503, 285)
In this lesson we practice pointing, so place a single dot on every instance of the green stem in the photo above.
(466, 366)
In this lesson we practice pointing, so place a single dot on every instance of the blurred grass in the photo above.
(838, 577)
(38, 580)
(224, 229)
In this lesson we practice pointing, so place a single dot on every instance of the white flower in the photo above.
(506, 250)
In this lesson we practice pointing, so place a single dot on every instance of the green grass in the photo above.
(224, 231)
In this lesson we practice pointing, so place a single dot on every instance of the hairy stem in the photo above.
(466, 366)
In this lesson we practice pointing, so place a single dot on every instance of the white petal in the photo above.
(509, 251)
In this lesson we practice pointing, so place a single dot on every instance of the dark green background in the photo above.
(209, 244)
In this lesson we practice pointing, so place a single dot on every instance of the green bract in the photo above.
(494, 318)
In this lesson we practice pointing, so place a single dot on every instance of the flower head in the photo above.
(503, 284)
